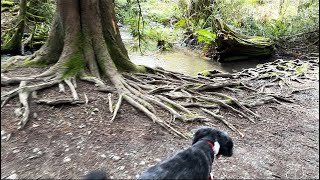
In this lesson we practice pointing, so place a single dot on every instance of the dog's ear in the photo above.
(201, 133)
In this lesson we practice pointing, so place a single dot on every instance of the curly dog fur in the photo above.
(194, 162)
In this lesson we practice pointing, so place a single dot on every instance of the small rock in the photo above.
(40, 152)
(67, 150)
(16, 151)
(137, 176)
(116, 158)
(121, 168)
(103, 155)
(35, 125)
(157, 160)
(3, 132)
(12, 176)
(82, 126)
(95, 110)
(66, 159)
(70, 133)
(35, 115)
(32, 157)
(89, 132)
(142, 163)
(36, 150)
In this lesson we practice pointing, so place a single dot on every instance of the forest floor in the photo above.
(68, 141)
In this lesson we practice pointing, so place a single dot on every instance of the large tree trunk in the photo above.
(87, 35)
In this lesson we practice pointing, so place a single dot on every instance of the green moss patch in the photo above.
(30, 63)
(74, 65)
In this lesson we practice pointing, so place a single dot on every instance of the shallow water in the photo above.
(190, 63)
(179, 59)
(183, 60)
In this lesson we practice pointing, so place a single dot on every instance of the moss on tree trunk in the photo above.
(14, 44)
(74, 35)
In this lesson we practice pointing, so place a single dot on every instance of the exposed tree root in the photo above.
(235, 101)
(24, 95)
(231, 126)
(116, 108)
(72, 88)
(57, 102)
(7, 96)
(175, 93)
(110, 103)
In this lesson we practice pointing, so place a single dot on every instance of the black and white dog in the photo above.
(194, 162)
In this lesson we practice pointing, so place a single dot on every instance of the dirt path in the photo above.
(68, 141)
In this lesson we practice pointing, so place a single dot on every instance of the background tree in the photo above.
(29, 30)
(14, 44)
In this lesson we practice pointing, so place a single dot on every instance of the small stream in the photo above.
(183, 60)
(179, 59)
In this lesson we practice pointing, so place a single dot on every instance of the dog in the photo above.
(194, 162)
(96, 175)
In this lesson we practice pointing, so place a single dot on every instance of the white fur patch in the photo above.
(216, 148)
(211, 176)
(225, 133)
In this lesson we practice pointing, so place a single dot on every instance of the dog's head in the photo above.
(96, 175)
(214, 135)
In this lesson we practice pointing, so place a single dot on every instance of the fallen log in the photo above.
(232, 46)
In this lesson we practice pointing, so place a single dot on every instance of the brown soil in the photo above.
(68, 141)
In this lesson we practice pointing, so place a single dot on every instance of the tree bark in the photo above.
(82, 29)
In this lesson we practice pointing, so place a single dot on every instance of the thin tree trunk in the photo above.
(14, 45)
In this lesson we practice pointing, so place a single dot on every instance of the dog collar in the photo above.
(215, 147)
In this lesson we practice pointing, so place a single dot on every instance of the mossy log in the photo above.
(233, 46)
(7, 3)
